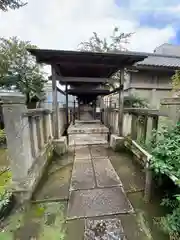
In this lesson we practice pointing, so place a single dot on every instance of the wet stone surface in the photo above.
(105, 174)
(82, 175)
(105, 229)
(98, 202)
(55, 185)
(130, 173)
(82, 152)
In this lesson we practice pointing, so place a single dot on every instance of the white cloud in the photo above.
(63, 24)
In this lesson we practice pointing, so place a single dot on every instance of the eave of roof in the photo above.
(168, 62)
(86, 64)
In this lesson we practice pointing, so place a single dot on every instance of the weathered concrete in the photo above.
(99, 151)
(55, 183)
(17, 134)
(24, 189)
(98, 202)
(116, 142)
(105, 174)
(82, 152)
(131, 174)
(60, 145)
(87, 133)
(82, 175)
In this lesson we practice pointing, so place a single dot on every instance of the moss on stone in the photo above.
(5, 179)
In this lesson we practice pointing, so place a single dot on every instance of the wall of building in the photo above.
(150, 79)
(150, 85)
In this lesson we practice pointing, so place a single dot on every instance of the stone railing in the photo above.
(30, 142)
(40, 127)
(137, 129)
(137, 122)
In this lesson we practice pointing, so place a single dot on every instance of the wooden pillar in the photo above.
(55, 104)
(94, 110)
(67, 112)
(74, 112)
(121, 103)
(79, 109)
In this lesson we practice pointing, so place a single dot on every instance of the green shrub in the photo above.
(4, 198)
(134, 101)
(2, 136)
(166, 154)
(171, 222)
(166, 161)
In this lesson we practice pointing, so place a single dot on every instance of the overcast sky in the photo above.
(63, 24)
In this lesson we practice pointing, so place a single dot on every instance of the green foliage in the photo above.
(11, 4)
(117, 41)
(4, 198)
(166, 154)
(19, 70)
(2, 136)
(171, 222)
(166, 161)
(176, 80)
(135, 101)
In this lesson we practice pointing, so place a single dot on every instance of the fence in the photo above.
(29, 134)
(40, 127)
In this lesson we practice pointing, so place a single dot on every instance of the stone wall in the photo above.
(149, 85)
(171, 106)
(29, 142)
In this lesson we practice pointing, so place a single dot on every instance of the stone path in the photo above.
(95, 188)
(67, 185)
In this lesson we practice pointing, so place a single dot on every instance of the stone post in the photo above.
(121, 103)
(18, 136)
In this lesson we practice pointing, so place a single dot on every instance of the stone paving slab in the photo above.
(103, 229)
(98, 202)
(82, 175)
(98, 151)
(105, 174)
(82, 152)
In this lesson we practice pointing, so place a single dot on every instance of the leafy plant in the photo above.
(166, 161)
(19, 70)
(166, 154)
(4, 198)
(2, 136)
(171, 222)
(176, 80)
(135, 101)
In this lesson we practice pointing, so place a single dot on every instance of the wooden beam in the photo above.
(121, 103)
(55, 105)
(80, 79)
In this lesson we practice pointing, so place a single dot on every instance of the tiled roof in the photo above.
(165, 56)
(160, 61)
